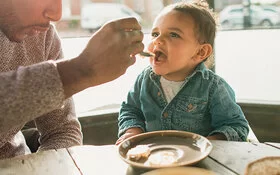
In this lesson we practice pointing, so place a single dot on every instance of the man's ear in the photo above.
(204, 51)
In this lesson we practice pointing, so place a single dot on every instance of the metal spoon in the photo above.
(147, 54)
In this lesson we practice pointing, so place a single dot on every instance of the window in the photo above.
(246, 49)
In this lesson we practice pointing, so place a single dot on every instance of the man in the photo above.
(35, 85)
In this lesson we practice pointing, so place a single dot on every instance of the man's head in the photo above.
(22, 18)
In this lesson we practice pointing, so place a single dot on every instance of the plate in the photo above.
(168, 148)
(180, 171)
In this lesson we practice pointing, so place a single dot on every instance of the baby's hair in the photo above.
(204, 19)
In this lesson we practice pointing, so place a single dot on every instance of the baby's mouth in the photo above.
(159, 56)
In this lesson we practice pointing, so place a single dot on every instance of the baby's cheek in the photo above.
(150, 47)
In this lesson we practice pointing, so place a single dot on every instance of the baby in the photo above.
(177, 91)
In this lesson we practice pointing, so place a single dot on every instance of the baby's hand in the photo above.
(217, 137)
(129, 133)
(124, 136)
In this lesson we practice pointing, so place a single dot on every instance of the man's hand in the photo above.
(109, 52)
(129, 133)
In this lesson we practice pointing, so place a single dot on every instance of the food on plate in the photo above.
(163, 158)
(138, 152)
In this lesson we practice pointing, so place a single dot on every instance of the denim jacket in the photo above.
(204, 105)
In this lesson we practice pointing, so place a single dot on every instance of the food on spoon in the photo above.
(138, 152)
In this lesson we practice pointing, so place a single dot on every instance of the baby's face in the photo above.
(174, 45)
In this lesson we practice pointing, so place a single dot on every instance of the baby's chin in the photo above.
(158, 71)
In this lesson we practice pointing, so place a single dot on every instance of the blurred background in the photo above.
(82, 17)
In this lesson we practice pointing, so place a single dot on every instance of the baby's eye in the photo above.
(175, 35)
(154, 34)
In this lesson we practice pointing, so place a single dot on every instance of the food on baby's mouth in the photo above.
(138, 152)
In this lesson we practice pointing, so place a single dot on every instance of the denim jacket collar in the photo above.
(201, 68)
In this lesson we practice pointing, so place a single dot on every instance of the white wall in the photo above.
(249, 60)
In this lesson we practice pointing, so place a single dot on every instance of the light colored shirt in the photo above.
(31, 89)
(170, 88)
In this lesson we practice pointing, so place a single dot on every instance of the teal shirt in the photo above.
(204, 105)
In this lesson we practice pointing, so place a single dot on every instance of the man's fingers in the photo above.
(136, 48)
(134, 36)
(129, 23)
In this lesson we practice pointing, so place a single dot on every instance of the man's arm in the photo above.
(59, 128)
(29, 92)
(108, 54)
(32, 91)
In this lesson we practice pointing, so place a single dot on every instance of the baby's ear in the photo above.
(204, 51)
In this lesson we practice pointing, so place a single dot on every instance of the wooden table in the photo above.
(226, 158)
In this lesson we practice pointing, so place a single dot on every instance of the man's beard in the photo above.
(9, 24)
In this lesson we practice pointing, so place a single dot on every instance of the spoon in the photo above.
(147, 54)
